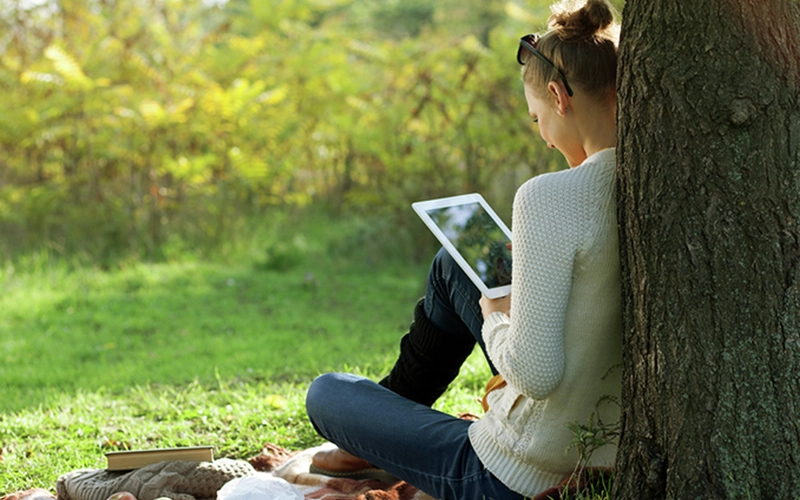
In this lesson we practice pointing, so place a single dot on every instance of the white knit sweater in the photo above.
(564, 334)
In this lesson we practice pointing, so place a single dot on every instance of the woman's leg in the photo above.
(446, 325)
(424, 447)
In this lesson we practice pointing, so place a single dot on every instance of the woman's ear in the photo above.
(560, 96)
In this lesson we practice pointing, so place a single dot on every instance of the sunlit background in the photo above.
(128, 128)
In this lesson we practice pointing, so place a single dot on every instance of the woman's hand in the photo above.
(489, 306)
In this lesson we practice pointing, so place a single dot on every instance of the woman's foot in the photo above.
(338, 460)
(339, 463)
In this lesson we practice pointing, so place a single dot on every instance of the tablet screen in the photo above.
(479, 240)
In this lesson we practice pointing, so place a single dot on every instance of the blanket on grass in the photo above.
(320, 487)
(202, 480)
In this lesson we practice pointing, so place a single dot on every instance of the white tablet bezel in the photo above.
(421, 208)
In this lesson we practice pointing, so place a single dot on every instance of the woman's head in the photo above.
(570, 79)
(579, 50)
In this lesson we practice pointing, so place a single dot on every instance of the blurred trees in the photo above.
(125, 125)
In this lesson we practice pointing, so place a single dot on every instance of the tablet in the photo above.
(475, 237)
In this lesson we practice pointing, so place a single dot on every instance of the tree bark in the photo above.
(709, 215)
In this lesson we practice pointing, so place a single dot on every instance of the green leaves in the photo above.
(68, 68)
(154, 119)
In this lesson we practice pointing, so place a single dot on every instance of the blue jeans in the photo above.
(424, 447)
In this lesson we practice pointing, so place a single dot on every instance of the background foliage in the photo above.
(129, 128)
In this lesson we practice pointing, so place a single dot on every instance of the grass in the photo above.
(268, 312)
(237, 417)
(172, 323)
(194, 351)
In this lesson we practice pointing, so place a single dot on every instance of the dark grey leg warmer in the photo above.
(429, 360)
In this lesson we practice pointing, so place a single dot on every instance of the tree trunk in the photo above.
(709, 213)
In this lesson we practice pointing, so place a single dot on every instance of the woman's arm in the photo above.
(527, 345)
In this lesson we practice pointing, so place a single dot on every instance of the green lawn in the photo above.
(192, 351)
(173, 323)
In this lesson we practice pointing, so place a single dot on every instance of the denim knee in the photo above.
(317, 397)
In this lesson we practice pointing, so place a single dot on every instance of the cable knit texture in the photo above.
(177, 480)
(561, 348)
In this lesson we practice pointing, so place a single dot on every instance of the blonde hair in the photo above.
(582, 43)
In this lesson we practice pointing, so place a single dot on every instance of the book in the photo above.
(134, 459)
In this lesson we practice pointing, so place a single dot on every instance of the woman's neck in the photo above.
(599, 128)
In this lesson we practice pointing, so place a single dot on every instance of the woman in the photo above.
(554, 341)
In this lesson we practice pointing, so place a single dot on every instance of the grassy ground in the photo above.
(173, 323)
(193, 351)
(291, 302)
(237, 417)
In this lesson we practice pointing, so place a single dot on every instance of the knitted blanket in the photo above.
(177, 480)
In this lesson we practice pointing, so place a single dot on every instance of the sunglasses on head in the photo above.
(529, 42)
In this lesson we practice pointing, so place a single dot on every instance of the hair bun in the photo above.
(573, 23)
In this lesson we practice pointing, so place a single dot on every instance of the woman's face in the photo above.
(556, 130)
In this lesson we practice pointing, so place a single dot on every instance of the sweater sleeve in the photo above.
(528, 347)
